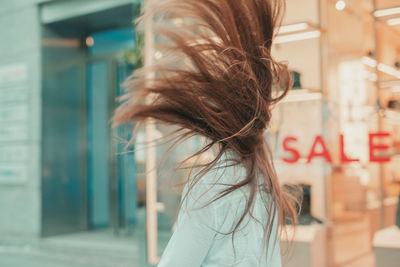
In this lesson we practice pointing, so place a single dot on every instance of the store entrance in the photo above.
(89, 178)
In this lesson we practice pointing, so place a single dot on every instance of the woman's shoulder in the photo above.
(219, 178)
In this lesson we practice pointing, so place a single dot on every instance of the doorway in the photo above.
(89, 181)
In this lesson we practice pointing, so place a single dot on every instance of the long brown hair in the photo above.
(221, 84)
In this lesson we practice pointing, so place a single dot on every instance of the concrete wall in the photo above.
(20, 115)
(21, 107)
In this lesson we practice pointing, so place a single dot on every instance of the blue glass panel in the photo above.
(62, 162)
(98, 144)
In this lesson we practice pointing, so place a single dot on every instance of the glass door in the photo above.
(111, 163)
(98, 148)
(63, 183)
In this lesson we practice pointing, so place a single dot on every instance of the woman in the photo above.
(221, 84)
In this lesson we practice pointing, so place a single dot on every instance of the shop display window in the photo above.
(344, 59)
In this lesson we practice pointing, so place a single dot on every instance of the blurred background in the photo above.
(72, 193)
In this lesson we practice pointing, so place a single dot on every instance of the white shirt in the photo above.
(199, 240)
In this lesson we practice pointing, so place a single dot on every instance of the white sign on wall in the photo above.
(13, 132)
(14, 113)
(13, 73)
(14, 153)
(14, 122)
(13, 173)
(13, 94)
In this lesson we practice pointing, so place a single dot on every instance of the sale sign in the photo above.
(375, 148)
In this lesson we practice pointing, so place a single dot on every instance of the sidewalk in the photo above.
(99, 248)
(87, 249)
(95, 248)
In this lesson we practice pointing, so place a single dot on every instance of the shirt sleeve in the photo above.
(194, 234)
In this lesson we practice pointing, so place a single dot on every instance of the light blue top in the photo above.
(198, 239)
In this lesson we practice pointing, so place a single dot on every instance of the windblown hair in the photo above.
(222, 86)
